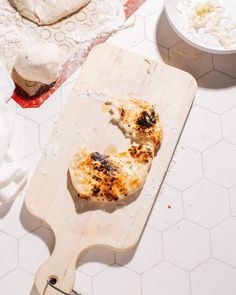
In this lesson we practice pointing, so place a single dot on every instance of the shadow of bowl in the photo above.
(216, 80)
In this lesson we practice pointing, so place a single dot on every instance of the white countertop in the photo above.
(189, 244)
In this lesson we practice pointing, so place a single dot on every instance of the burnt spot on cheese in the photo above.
(147, 119)
(98, 179)
(98, 157)
(95, 190)
(158, 144)
(110, 197)
(108, 180)
(102, 163)
(112, 186)
(141, 153)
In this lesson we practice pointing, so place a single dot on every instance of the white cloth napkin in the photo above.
(12, 176)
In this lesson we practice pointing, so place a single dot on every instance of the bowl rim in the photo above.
(189, 41)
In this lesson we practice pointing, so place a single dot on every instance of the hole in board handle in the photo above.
(53, 281)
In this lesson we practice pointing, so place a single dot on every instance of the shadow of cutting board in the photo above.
(77, 224)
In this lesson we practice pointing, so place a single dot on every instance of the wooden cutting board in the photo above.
(77, 224)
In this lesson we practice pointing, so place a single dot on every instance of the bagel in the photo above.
(114, 177)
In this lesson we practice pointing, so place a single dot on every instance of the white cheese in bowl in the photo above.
(209, 22)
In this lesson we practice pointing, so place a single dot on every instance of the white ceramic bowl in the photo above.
(174, 18)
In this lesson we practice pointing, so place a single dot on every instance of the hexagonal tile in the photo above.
(149, 7)
(225, 63)
(233, 200)
(35, 248)
(30, 162)
(223, 241)
(95, 260)
(83, 283)
(190, 59)
(229, 125)
(168, 209)
(158, 30)
(48, 109)
(17, 282)
(151, 50)
(136, 259)
(165, 279)
(186, 244)
(217, 92)
(213, 277)
(25, 138)
(206, 203)
(220, 164)
(46, 128)
(12, 105)
(18, 221)
(130, 36)
(185, 169)
(8, 254)
(6, 84)
(117, 280)
(206, 129)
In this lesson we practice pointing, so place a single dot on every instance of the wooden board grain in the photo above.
(77, 224)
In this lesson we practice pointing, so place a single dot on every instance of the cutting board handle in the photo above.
(60, 268)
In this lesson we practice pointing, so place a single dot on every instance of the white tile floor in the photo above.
(188, 247)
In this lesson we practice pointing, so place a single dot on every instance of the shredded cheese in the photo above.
(209, 22)
(204, 8)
